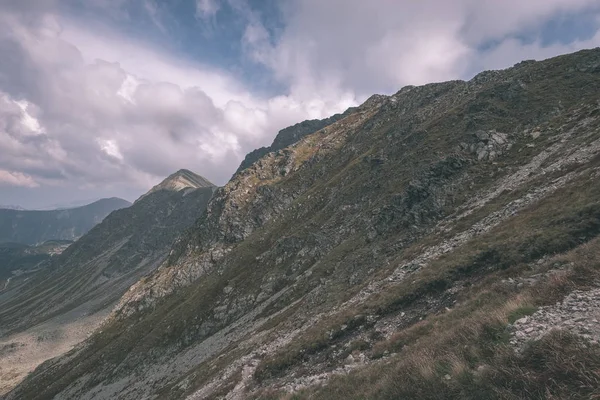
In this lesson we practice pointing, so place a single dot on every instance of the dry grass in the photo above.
(464, 354)
(558, 223)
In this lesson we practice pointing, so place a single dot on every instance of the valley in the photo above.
(49, 309)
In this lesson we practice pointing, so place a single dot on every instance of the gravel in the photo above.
(578, 313)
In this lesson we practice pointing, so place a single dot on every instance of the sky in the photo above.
(102, 98)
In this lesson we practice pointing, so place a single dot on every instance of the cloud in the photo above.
(491, 19)
(94, 109)
(111, 148)
(512, 50)
(381, 45)
(16, 179)
(207, 8)
(154, 13)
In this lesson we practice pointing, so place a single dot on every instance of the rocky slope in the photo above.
(386, 255)
(66, 298)
(290, 135)
(34, 227)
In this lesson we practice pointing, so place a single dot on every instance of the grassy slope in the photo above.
(368, 200)
(463, 351)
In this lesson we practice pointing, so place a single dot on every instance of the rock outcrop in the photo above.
(578, 313)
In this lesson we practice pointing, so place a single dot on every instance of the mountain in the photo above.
(181, 179)
(441, 242)
(32, 227)
(65, 300)
(10, 207)
(291, 135)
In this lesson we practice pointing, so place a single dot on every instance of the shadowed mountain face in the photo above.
(17, 258)
(86, 280)
(34, 227)
(391, 254)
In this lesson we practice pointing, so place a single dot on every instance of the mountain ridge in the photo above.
(389, 254)
(180, 180)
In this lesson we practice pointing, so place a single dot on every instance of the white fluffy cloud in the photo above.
(81, 105)
(16, 179)
(96, 111)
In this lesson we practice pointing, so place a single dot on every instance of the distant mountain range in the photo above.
(10, 207)
(32, 227)
(64, 205)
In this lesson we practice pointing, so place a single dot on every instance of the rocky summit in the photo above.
(180, 180)
(434, 243)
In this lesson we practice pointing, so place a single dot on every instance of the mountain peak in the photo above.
(180, 180)
(184, 178)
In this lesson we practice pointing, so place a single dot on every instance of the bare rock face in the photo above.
(352, 238)
(290, 135)
(488, 145)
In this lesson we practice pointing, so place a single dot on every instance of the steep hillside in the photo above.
(393, 254)
(85, 281)
(34, 227)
